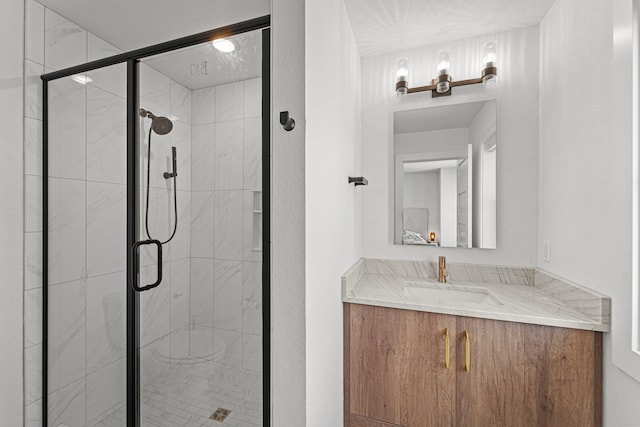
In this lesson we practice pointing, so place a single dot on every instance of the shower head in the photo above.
(160, 125)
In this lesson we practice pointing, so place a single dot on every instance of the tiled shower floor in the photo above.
(187, 395)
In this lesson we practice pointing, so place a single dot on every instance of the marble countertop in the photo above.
(511, 294)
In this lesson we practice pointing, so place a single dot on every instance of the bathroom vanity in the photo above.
(496, 346)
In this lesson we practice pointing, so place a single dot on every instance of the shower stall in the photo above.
(155, 195)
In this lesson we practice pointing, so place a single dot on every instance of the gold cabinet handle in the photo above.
(446, 348)
(467, 352)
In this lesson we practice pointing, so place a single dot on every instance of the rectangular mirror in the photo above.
(445, 175)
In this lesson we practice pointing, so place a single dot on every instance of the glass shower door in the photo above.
(84, 289)
(151, 223)
(200, 201)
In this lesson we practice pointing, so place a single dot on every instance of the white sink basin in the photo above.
(447, 295)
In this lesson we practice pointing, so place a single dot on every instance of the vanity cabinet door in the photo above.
(563, 377)
(490, 373)
(500, 373)
(396, 366)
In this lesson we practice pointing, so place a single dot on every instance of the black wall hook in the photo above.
(358, 180)
(287, 122)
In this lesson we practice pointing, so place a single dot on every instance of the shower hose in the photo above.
(175, 197)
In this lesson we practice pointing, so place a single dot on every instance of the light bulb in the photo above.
(489, 61)
(402, 76)
(489, 54)
(442, 59)
(224, 45)
(443, 62)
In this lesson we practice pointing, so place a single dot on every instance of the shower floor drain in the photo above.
(220, 414)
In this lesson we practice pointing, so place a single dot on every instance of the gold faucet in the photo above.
(442, 269)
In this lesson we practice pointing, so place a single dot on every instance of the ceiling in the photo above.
(426, 166)
(132, 24)
(201, 66)
(436, 118)
(383, 26)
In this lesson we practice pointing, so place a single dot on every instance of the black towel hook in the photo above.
(287, 122)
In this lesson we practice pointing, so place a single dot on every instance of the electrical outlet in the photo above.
(546, 250)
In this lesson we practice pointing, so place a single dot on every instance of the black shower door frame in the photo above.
(132, 60)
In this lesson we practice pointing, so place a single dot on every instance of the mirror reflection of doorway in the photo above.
(445, 176)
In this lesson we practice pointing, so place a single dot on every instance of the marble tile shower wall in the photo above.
(87, 223)
(164, 311)
(226, 224)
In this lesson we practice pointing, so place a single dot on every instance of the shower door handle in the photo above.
(134, 263)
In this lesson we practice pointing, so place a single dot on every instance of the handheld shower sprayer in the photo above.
(174, 157)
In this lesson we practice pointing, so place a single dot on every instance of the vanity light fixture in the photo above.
(443, 83)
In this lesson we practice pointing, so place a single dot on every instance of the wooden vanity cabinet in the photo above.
(492, 391)
(515, 375)
(563, 376)
(396, 366)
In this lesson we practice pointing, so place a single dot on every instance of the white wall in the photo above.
(585, 175)
(517, 102)
(333, 207)
(422, 190)
(445, 140)
(464, 192)
(11, 214)
(449, 207)
(288, 398)
(481, 129)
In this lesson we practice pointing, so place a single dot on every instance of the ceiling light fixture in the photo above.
(443, 83)
(81, 78)
(224, 45)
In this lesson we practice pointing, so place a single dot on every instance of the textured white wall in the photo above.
(517, 103)
(11, 223)
(585, 172)
(333, 207)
